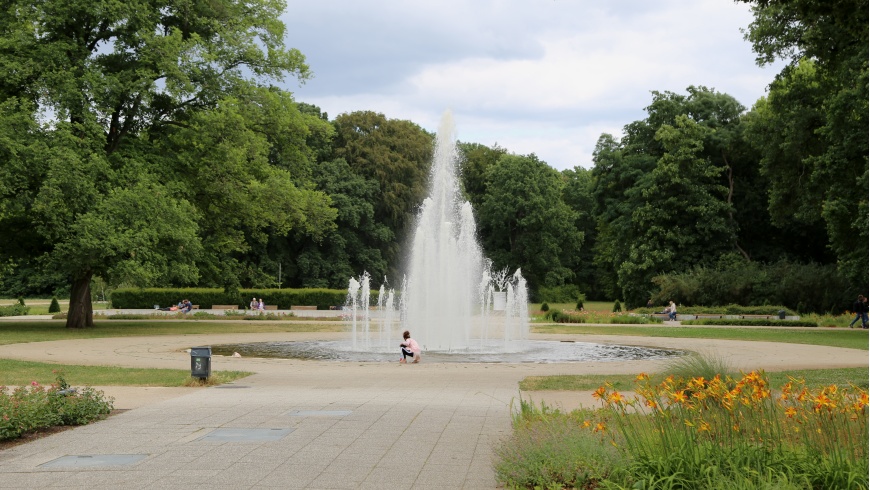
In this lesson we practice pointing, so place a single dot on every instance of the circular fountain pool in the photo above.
(529, 351)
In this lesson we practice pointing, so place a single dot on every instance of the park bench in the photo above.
(225, 307)
(300, 307)
(194, 307)
(270, 307)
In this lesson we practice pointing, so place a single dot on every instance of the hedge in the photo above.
(722, 310)
(139, 298)
(757, 322)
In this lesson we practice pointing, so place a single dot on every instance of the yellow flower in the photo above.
(704, 427)
(641, 377)
(599, 393)
(600, 427)
(615, 397)
(587, 424)
(790, 412)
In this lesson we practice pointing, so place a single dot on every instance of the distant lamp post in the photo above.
(200, 362)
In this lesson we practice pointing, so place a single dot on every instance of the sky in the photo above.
(534, 76)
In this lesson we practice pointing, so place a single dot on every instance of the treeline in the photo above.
(150, 147)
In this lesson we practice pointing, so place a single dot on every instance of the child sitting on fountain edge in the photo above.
(410, 348)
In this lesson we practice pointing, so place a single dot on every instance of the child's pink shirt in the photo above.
(412, 344)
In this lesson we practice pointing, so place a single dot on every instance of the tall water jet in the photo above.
(447, 294)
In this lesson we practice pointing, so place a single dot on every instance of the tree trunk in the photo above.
(81, 311)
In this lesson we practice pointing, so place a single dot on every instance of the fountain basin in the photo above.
(527, 351)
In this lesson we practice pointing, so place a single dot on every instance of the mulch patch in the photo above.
(44, 432)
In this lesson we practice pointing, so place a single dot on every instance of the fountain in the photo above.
(456, 306)
(450, 301)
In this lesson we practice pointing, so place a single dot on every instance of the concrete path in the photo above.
(333, 424)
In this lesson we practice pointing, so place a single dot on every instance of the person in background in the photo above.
(859, 308)
(186, 306)
(672, 311)
(254, 305)
(261, 306)
(410, 348)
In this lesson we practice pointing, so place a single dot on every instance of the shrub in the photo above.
(54, 307)
(14, 310)
(731, 309)
(617, 306)
(803, 287)
(755, 322)
(545, 306)
(21, 301)
(560, 316)
(559, 294)
(28, 408)
(579, 306)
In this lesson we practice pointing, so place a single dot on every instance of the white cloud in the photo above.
(543, 77)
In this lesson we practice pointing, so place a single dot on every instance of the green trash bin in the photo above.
(200, 362)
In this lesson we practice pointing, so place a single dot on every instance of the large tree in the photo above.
(106, 79)
(815, 119)
(524, 222)
(396, 154)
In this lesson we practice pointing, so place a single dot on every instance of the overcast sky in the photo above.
(535, 76)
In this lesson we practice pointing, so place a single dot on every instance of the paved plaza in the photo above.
(318, 424)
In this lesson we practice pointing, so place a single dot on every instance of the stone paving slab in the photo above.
(401, 426)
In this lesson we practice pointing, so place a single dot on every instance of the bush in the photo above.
(559, 294)
(545, 307)
(803, 287)
(33, 407)
(14, 310)
(617, 306)
(753, 322)
(731, 309)
(54, 307)
(559, 316)
(21, 301)
(579, 306)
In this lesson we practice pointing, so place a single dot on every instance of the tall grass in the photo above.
(701, 432)
(552, 449)
(695, 431)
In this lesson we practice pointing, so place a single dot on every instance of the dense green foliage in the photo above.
(146, 145)
(799, 287)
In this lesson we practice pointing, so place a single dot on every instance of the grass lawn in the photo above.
(850, 338)
(19, 373)
(36, 331)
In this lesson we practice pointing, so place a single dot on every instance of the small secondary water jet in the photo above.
(450, 300)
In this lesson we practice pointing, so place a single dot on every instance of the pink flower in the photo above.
(34, 383)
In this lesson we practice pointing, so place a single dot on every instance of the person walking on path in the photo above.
(672, 311)
(410, 348)
(860, 311)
